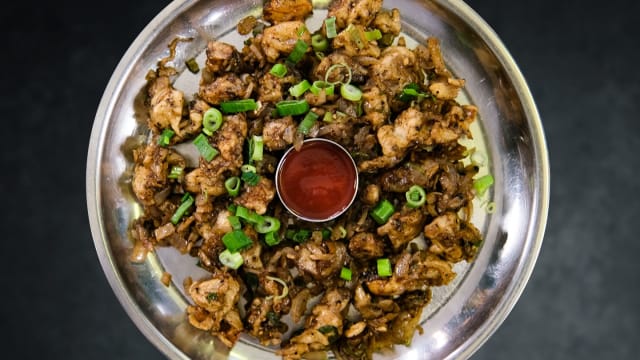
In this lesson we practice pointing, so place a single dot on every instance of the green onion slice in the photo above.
(176, 172)
(350, 92)
(269, 224)
(211, 121)
(256, 145)
(248, 168)
(187, 201)
(330, 24)
(482, 184)
(250, 177)
(250, 216)
(411, 92)
(292, 107)
(237, 106)
(373, 35)
(416, 196)
(235, 222)
(328, 117)
(384, 267)
(192, 65)
(165, 137)
(319, 43)
(307, 123)
(207, 151)
(337, 67)
(318, 85)
(232, 185)
(230, 259)
(298, 51)
(345, 274)
(278, 70)
(272, 238)
(299, 236)
(356, 36)
(382, 212)
(300, 88)
(236, 241)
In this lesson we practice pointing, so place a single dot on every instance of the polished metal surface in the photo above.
(462, 315)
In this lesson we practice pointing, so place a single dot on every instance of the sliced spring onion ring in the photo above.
(192, 65)
(373, 35)
(307, 123)
(292, 107)
(416, 196)
(491, 207)
(300, 88)
(328, 117)
(165, 137)
(207, 151)
(235, 222)
(236, 240)
(250, 216)
(319, 43)
(176, 172)
(272, 238)
(482, 184)
(237, 106)
(256, 145)
(319, 85)
(250, 178)
(278, 70)
(335, 67)
(330, 26)
(285, 288)
(211, 121)
(268, 225)
(350, 92)
(298, 51)
(232, 185)
(345, 274)
(230, 259)
(382, 212)
(248, 168)
(384, 267)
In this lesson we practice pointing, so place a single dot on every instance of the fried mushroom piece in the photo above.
(152, 164)
(366, 246)
(215, 307)
(451, 237)
(226, 87)
(403, 226)
(278, 11)
(319, 259)
(323, 326)
(165, 105)
(280, 39)
(357, 12)
(279, 133)
(257, 197)
(223, 58)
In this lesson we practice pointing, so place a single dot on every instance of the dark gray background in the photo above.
(580, 59)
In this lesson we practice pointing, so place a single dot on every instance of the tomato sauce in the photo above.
(317, 182)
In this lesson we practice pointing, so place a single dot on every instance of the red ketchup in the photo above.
(317, 182)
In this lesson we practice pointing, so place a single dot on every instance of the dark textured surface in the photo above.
(580, 59)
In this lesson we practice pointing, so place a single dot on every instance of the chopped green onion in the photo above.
(250, 216)
(373, 35)
(251, 178)
(192, 65)
(482, 184)
(272, 238)
(299, 236)
(319, 43)
(416, 196)
(318, 85)
(356, 35)
(298, 51)
(333, 68)
(176, 172)
(237, 106)
(235, 222)
(285, 288)
(292, 107)
(330, 24)
(230, 259)
(232, 208)
(343, 232)
(236, 240)
(301, 30)
(328, 117)
(248, 168)
(326, 234)
(300, 88)
(207, 151)
(232, 185)
(256, 148)
(411, 92)
(165, 137)
(350, 92)
(211, 121)
(187, 201)
(382, 212)
(491, 207)
(345, 274)
(278, 70)
(384, 267)
(269, 224)
(307, 123)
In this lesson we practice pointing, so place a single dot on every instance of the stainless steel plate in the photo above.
(462, 315)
